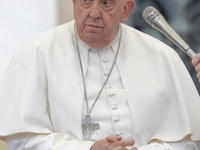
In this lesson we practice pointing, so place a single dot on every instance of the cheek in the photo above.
(80, 16)
(114, 17)
(112, 21)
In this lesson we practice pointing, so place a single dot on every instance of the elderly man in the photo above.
(96, 84)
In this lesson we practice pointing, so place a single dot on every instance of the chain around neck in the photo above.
(82, 73)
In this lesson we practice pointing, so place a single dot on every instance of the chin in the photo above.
(93, 38)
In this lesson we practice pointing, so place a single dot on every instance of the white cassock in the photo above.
(149, 97)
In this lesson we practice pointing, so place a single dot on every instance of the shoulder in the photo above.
(145, 44)
(142, 38)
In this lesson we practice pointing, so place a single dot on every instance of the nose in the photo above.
(95, 11)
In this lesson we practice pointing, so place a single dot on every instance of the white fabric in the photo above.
(111, 110)
(59, 142)
(54, 141)
(43, 93)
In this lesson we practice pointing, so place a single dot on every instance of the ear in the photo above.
(130, 4)
(74, 1)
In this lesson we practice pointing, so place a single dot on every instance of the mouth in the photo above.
(94, 26)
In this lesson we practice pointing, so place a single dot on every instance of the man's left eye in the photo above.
(106, 3)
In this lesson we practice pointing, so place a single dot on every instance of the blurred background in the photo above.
(21, 20)
(182, 15)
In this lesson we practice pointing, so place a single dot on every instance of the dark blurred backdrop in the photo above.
(182, 15)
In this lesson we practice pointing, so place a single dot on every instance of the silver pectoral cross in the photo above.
(88, 128)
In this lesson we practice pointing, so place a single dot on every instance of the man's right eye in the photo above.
(87, 3)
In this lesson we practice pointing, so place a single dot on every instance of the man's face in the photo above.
(98, 20)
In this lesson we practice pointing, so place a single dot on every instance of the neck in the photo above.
(98, 45)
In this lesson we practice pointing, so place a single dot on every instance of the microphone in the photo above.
(153, 17)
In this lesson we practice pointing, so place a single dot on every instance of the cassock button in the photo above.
(118, 133)
(106, 73)
(112, 94)
(114, 107)
(105, 60)
(116, 119)
(108, 87)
